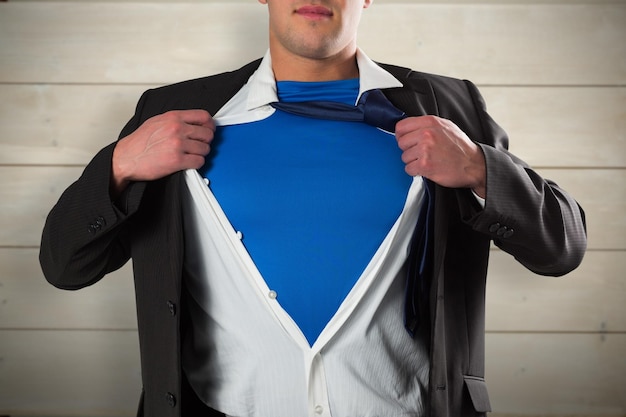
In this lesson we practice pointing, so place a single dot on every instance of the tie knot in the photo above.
(373, 108)
(378, 111)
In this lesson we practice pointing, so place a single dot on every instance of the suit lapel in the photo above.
(218, 89)
(417, 98)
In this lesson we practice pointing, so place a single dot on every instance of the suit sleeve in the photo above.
(527, 216)
(86, 233)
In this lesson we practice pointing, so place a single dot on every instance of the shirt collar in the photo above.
(261, 87)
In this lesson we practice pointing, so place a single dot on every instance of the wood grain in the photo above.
(546, 44)
(547, 126)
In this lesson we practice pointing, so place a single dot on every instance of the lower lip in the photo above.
(313, 15)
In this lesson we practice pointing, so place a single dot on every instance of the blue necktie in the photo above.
(376, 110)
(373, 108)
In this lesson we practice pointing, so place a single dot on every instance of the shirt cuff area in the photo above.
(480, 200)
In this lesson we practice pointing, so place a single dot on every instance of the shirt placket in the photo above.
(318, 401)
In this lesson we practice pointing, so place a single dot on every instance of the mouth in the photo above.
(314, 12)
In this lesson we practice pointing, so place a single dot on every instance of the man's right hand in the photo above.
(162, 145)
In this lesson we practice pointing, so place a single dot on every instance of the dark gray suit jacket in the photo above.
(87, 235)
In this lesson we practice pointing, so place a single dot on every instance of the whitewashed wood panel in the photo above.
(589, 299)
(602, 194)
(27, 301)
(527, 374)
(61, 124)
(557, 374)
(69, 373)
(553, 73)
(488, 43)
(126, 42)
(28, 193)
(508, 44)
(26, 196)
(548, 126)
(562, 126)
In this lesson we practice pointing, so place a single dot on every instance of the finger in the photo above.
(411, 155)
(411, 124)
(413, 169)
(201, 133)
(196, 147)
(192, 161)
(196, 117)
(403, 127)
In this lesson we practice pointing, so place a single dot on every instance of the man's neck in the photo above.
(296, 68)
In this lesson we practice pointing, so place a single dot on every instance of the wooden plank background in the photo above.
(553, 73)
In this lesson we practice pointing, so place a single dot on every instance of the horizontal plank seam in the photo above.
(511, 332)
(65, 329)
(559, 332)
(535, 167)
(158, 83)
(36, 247)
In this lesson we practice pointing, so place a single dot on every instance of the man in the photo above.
(354, 289)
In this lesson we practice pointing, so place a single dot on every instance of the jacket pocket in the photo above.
(478, 392)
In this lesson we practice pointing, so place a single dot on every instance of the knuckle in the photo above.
(428, 135)
(434, 120)
(176, 130)
(171, 116)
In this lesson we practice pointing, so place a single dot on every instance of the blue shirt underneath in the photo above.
(313, 198)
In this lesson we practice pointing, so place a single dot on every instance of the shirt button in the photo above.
(272, 294)
(239, 235)
(319, 409)
(206, 181)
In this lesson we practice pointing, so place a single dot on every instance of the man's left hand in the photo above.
(439, 150)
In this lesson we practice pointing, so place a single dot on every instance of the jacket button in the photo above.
(501, 231)
(171, 399)
(97, 225)
(508, 233)
(494, 227)
(172, 308)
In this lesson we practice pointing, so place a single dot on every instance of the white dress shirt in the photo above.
(247, 357)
